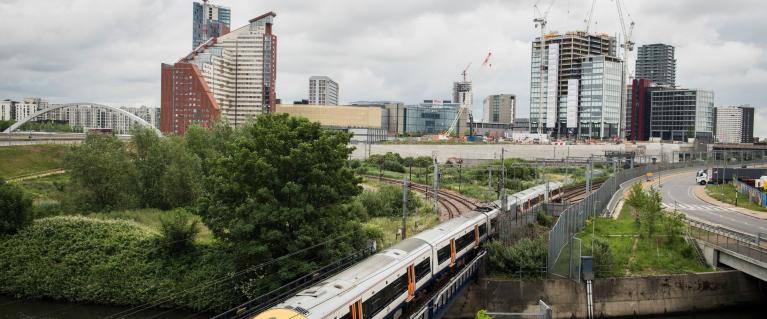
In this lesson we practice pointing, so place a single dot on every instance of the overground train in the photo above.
(389, 284)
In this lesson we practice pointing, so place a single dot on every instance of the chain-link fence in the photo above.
(564, 252)
(515, 223)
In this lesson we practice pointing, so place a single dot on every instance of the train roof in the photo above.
(438, 233)
(355, 275)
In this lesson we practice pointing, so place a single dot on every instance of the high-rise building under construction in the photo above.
(208, 21)
(555, 78)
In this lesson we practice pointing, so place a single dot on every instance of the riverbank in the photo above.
(613, 297)
(12, 308)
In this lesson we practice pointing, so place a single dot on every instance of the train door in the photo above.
(356, 309)
(452, 252)
(476, 236)
(410, 283)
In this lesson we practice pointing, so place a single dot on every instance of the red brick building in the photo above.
(186, 99)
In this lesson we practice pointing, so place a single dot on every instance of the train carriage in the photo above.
(383, 285)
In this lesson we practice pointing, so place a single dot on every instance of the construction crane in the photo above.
(463, 73)
(589, 15)
(541, 21)
(464, 107)
(628, 47)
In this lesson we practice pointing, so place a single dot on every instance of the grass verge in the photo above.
(635, 255)
(727, 194)
(21, 160)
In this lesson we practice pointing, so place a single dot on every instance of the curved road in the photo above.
(678, 192)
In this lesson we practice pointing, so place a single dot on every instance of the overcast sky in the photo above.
(110, 51)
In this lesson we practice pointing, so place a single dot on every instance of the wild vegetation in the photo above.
(15, 208)
(50, 126)
(524, 255)
(22, 160)
(207, 220)
(644, 240)
(4, 124)
(470, 180)
(728, 194)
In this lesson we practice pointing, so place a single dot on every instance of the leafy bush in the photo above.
(393, 166)
(387, 201)
(178, 232)
(526, 257)
(482, 314)
(355, 163)
(83, 259)
(603, 258)
(15, 208)
(542, 219)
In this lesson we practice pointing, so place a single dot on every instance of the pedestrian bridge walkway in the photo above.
(722, 246)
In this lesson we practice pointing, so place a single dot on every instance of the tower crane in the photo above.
(541, 21)
(464, 108)
(628, 47)
(463, 73)
(589, 15)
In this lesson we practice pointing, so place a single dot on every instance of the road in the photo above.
(678, 192)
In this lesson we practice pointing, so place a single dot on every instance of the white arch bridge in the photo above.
(54, 107)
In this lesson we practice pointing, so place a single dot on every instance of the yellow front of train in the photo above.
(277, 313)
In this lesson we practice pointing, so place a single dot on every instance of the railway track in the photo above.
(449, 203)
(577, 193)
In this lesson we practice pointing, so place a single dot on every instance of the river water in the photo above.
(11, 308)
(39, 309)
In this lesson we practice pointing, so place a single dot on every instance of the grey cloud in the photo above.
(111, 51)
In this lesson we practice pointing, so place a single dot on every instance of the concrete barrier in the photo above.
(631, 296)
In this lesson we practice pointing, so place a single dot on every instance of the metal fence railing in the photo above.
(729, 240)
(544, 312)
(564, 254)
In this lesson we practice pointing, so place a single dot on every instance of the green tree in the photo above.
(281, 185)
(15, 208)
(207, 143)
(168, 174)
(150, 163)
(636, 197)
(6, 124)
(180, 182)
(102, 174)
(651, 213)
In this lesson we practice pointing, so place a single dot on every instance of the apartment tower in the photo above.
(323, 91)
(734, 124)
(231, 77)
(656, 62)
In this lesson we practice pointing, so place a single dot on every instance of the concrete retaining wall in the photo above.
(493, 151)
(633, 296)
